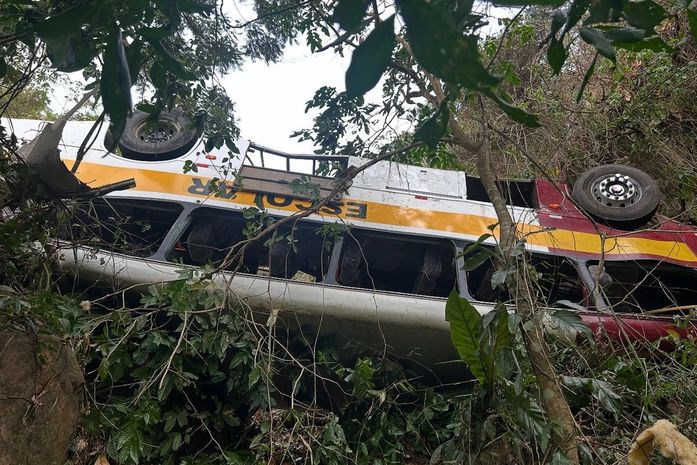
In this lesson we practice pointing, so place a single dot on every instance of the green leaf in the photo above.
(158, 76)
(115, 85)
(586, 78)
(570, 322)
(576, 11)
(692, 19)
(600, 390)
(503, 334)
(103, 369)
(516, 114)
(644, 14)
(498, 278)
(440, 47)
(435, 127)
(3, 67)
(654, 43)
(597, 39)
(478, 243)
(349, 13)
(622, 34)
(169, 62)
(370, 59)
(608, 398)
(465, 332)
(558, 20)
(599, 12)
(556, 55)
(134, 57)
(476, 259)
(67, 22)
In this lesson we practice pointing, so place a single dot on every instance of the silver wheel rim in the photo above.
(163, 130)
(616, 190)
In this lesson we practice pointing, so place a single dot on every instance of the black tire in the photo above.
(617, 195)
(171, 137)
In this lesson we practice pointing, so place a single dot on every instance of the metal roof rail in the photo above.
(315, 158)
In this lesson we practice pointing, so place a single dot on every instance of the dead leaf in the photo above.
(670, 442)
(102, 460)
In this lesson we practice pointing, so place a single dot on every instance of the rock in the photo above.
(40, 394)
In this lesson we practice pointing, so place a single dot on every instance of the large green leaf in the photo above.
(516, 114)
(570, 322)
(597, 39)
(586, 77)
(622, 34)
(440, 48)
(576, 11)
(503, 334)
(370, 59)
(600, 390)
(599, 12)
(158, 76)
(654, 43)
(465, 332)
(434, 128)
(644, 14)
(115, 85)
(476, 259)
(556, 55)
(61, 33)
(349, 13)
(68, 22)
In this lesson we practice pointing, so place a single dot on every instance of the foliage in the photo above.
(183, 376)
(637, 111)
(168, 47)
(31, 103)
(173, 376)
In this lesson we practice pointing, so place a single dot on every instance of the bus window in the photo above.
(133, 227)
(391, 262)
(556, 279)
(646, 285)
(297, 251)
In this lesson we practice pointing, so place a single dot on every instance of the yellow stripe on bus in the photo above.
(459, 223)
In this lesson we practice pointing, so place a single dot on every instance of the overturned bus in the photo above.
(376, 264)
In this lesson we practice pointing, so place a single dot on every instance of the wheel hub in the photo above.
(161, 131)
(617, 190)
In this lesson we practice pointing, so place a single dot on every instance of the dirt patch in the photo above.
(40, 394)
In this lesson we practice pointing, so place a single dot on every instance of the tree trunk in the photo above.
(526, 303)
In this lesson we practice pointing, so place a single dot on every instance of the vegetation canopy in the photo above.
(183, 374)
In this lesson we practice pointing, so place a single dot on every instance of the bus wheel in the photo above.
(618, 195)
(171, 136)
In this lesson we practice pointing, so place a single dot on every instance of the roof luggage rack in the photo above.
(322, 165)
(272, 171)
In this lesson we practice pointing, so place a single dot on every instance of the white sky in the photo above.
(270, 99)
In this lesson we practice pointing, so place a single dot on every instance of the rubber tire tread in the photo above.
(181, 142)
(627, 218)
